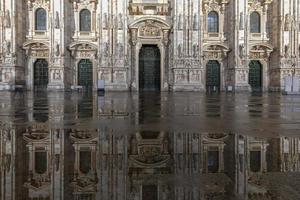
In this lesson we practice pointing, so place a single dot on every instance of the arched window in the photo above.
(213, 22)
(40, 19)
(85, 20)
(255, 22)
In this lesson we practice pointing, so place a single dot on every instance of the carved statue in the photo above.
(7, 21)
(7, 47)
(57, 159)
(179, 22)
(120, 50)
(241, 25)
(105, 21)
(120, 21)
(57, 23)
(179, 49)
(287, 22)
(195, 50)
(57, 51)
(105, 49)
(195, 24)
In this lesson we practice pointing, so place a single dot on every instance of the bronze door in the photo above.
(149, 68)
(41, 78)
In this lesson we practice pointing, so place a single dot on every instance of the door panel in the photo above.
(213, 76)
(41, 78)
(85, 73)
(149, 68)
(255, 75)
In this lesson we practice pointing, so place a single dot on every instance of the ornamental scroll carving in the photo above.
(150, 30)
(260, 52)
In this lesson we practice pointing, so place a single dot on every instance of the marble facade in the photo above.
(178, 27)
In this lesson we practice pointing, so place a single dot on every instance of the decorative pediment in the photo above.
(260, 51)
(38, 4)
(38, 133)
(83, 50)
(36, 49)
(258, 5)
(83, 136)
(215, 51)
(214, 5)
(76, 3)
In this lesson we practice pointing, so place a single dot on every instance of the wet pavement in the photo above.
(149, 146)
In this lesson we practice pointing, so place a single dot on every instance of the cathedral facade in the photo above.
(132, 45)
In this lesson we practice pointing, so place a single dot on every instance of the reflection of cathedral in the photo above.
(42, 161)
(196, 45)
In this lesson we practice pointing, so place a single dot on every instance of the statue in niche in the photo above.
(57, 51)
(286, 51)
(195, 50)
(241, 25)
(120, 50)
(241, 50)
(105, 49)
(179, 22)
(105, 21)
(7, 21)
(7, 47)
(287, 22)
(134, 150)
(57, 23)
(195, 24)
(179, 50)
(57, 159)
(120, 21)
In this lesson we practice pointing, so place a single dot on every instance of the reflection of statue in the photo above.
(57, 161)
(57, 24)
(133, 146)
(6, 22)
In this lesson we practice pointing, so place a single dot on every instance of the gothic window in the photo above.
(85, 20)
(40, 19)
(213, 161)
(255, 22)
(213, 22)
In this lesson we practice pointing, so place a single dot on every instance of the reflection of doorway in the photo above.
(255, 75)
(149, 192)
(213, 76)
(40, 73)
(149, 68)
(85, 73)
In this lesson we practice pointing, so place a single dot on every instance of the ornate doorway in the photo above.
(255, 75)
(213, 76)
(149, 68)
(85, 73)
(40, 73)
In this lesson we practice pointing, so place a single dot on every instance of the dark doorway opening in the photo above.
(255, 75)
(150, 192)
(213, 77)
(149, 68)
(40, 74)
(85, 73)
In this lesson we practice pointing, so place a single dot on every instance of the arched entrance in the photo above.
(149, 68)
(85, 73)
(255, 75)
(40, 73)
(213, 77)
